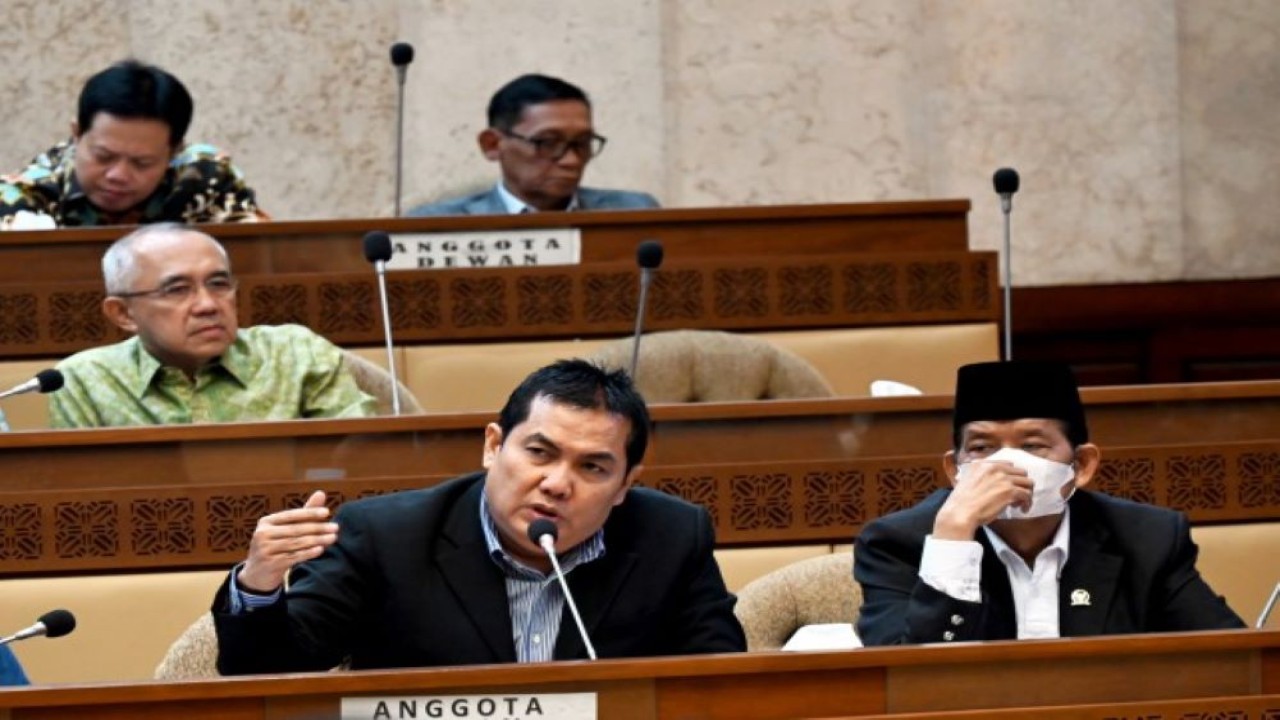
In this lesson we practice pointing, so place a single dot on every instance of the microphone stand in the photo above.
(646, 277)
(400, 73)
(1006, 204)
(381, 267)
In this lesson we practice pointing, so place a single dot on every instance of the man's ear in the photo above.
(75, 130)
(489, 140)
(1088, 458)
(949, 466)
(117, 311)
(492, 443)
(627, 482)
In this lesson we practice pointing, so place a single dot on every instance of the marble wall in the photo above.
(1142, 130)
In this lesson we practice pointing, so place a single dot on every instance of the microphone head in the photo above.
(649, 254)
(1005, 181)
(401, 54)
(58, 623)
(377, 246)
(49, 380)
(541, 527)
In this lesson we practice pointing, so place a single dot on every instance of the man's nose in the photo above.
(118, 172)
(556, 481)
(204, 300)
(573, 157)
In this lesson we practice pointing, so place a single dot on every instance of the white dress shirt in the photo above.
(954, 567)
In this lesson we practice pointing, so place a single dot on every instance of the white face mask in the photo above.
(1049, 477)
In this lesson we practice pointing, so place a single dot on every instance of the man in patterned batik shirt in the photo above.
(126, 162)
(189, 361)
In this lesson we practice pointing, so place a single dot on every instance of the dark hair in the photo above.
(131, 89)
(508, 104)
(581, 384)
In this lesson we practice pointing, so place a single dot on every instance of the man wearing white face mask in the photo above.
(1017, 548)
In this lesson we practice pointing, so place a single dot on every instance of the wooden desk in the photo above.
(1219, 672)
(728, 268)
(335, 245)
(769, 473)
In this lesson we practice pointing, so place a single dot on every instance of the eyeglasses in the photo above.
(586, 147)
(181, 291)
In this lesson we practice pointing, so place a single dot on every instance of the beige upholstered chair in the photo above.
(377, 382)
(194, 655)
(809, 592)
(714, 366)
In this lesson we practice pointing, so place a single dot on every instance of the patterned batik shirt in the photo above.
(280, 372)
(200, 186)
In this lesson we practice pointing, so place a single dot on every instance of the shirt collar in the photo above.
(1060, 543)
(590, 549)
(516, 206)
(237, 362)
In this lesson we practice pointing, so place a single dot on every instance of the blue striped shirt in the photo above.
(535, 598)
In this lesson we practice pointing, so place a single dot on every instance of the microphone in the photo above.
(401, 56)
(45, 381)
(1266, 611)
(543, 533)
(377, 250)
(1006, 183)
(649, 258)
(54, 623)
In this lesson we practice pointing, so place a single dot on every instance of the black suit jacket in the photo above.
(410, 584)
(1130, 569)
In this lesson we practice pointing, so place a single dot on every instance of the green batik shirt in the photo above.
(200, 186)
(280, 372)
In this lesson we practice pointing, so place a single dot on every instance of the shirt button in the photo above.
(957, 620)
(537, 639)
(948, 636)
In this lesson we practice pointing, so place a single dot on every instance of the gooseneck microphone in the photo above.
(54, 623)
(401, 56)
(45, 381)
(649, 258)
(543, 533)
(1006, 184)
(1266, 610)
(377, 250)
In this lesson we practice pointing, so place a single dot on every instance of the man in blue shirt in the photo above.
(10, 671)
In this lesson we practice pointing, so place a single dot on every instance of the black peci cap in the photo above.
(1019, 389)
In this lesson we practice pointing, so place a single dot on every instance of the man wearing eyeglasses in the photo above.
(541, 136)
(188, 361)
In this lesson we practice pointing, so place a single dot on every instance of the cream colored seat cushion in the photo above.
(816, 591)
(713, 366)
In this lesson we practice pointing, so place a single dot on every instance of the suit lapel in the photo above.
(1091, 577)
(489, 203)
(596, 587)
(477, 585)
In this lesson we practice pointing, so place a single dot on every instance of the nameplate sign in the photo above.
(543, 706)
(489, 249)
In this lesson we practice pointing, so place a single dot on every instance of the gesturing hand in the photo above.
(283, 540)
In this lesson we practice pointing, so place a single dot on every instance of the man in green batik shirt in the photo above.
(189, 361)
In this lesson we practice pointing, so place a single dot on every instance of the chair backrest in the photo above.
(714, 366)
(375, 381)
(194, 655)
(809, 592)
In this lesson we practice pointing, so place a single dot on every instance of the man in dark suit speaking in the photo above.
(1017, 548)
(541, 135)
(448, 575)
